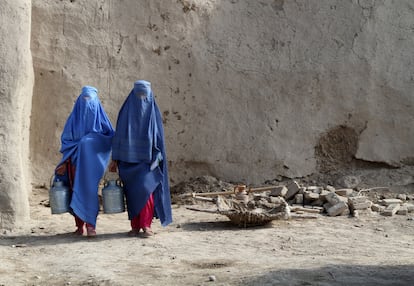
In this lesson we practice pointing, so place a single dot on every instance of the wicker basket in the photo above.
(241, 215)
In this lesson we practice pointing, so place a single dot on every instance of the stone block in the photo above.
(391, 209)
(323, 194)
(365, 212)
(276, 200)
(402, 197)
(299, 199)
(296, 208)
(377, 208)
(403, 210)
(387, 202)
(361, 206)
(344, 192)
(359, 203)
(314, 208)
(334, 199)
(349, 181)
(310, 195)
(410, 207)
(326, 206)
(330, 188)
(357, 200)
(337, 209)
(279, 191)
(317, 202)
(346, 212)
(293, 188)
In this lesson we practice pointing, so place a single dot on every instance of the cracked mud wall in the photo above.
(16, 83)
(247, 89)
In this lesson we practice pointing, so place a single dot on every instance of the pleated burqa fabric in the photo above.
(86, 140)
(139, 148)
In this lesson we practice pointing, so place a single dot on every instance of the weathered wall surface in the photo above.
(16, 83)
(248, 89)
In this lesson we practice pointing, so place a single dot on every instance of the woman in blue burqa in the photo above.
(139, 154)
(86, 148)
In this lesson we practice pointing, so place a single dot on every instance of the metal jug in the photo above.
(113, 197)
(59, 198)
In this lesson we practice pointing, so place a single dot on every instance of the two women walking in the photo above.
(138, 153)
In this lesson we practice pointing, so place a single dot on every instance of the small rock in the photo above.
(299, 199)
(409, 206)
(344, 192)
(349, 181)
(330, 188)
(211, 278)
(314, 189)
(402, 197)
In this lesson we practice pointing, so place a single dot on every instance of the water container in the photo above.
(59, 198)
(113, 197)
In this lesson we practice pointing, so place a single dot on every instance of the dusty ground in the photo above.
(374, 250)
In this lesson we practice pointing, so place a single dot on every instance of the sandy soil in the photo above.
(200, 247)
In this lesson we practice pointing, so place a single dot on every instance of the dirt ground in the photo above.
(205, 249)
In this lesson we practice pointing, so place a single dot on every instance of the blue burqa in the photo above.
(86, 141)
(138, 146)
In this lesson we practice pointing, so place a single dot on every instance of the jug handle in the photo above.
(119, 182)
(52, 179)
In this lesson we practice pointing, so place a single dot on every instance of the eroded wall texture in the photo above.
(16, 84)
(249, 90)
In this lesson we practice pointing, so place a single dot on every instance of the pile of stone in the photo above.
(337, 202)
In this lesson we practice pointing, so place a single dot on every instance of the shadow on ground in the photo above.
(364, 275)
(40, 240)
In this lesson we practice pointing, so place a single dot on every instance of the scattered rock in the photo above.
(349, 182)
(391, 210)
(308, 199)
(212, 278)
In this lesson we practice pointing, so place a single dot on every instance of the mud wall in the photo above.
(16, 83)
(248, 89)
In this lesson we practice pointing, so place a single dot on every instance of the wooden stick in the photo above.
(213, 194)
(204, 199)
(236, 190)
(202, 210)
(261, 189)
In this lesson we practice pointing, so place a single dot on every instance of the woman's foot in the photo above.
(133, 232)
(90, 231)
(78, 231)
(147, 232)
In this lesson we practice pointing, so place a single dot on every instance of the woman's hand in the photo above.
(61, 169)
(113, 166)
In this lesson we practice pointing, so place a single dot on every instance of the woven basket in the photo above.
(241, 215)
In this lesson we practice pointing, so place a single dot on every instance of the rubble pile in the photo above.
(257, 206)
(339, 202)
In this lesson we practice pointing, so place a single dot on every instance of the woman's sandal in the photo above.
(147, 232)
(90, 231)
(133, 232)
